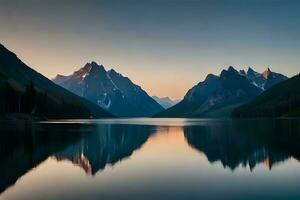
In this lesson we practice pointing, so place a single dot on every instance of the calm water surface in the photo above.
(150, 159)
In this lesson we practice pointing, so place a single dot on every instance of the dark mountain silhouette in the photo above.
(247, 143)
(110, 90)
(165, 102)
(23, 90)
(281, 100)
(216, 96)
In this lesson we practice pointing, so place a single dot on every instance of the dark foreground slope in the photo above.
(281, 100)
(25, 92)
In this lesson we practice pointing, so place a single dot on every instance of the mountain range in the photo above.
(217, 96)
(94, 92)
(282, 100)
(264, 80)
(24, 91)
(110, 90)
(165, 102)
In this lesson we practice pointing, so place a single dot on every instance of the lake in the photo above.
(150, 159)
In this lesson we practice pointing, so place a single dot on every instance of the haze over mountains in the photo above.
(165, 102)
(23, 90)
(217, 96)
(110, 90)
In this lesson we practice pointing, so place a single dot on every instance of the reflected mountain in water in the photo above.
(24, 145)
(108, 144)
(247, 143)
(94, 146)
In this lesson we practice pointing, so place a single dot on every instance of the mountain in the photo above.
(216, 96)
(110, 90)
(281, 100)
(256, 78)
(24, 91)
(165, 102)
(266, 79)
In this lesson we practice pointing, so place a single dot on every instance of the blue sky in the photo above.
(165, 46)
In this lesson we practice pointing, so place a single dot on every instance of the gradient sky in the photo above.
(165, 46)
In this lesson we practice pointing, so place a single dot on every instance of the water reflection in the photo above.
(247, 142)
(24, 145)
(107, 145)
(153, 158)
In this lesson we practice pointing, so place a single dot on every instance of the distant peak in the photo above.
(250, 70)
(87, 67)
(166, 99)
(162, 98)
(242, 72)
(229, 72)
(92, 67)
(59, 76)
(210, 77)
(231, 69)
(113, 72)
(266, 73)
(94, 63)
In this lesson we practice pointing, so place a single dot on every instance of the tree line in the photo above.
(37, 103)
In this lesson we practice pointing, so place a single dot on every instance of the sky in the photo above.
(165, 46)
